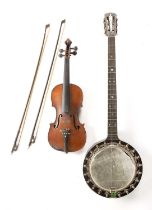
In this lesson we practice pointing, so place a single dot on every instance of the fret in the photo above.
(112, 80)
(112, 87)
(112, 73)
(112, 130)
(112, 106)
(112, 100)
(112, 134)
(111, 69)
(112, 117)
(111, 97)
(112, 120)
(112, 93)
(113, 113)
(112, 90)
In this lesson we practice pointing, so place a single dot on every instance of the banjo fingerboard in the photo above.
(112, 93)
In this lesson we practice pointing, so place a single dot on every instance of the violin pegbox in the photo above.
(110, 24)
(69, 50)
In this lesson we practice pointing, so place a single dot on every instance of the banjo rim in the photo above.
(124, 146)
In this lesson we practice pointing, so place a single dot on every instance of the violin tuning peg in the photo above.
(61, 55)
(61, 50)
(75, 48)
(74, 53)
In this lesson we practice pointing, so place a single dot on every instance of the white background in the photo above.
(41, 178)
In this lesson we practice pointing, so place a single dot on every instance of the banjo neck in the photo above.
(112, 92)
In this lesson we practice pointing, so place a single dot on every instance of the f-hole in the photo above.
(58, 121)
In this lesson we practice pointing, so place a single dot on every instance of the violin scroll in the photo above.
(69, 50)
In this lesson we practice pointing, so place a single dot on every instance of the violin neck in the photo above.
(112, 93)
(66, 87)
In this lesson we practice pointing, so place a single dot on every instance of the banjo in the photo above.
(112, 168)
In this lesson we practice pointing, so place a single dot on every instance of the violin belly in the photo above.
(75, 141)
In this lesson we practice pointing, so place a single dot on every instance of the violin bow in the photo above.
(23, 119)
(41, 107)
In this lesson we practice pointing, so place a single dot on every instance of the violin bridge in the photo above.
(65, 132)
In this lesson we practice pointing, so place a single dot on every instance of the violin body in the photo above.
(67, 122)
(67, 133)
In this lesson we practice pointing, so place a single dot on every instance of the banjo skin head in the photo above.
(91, 163)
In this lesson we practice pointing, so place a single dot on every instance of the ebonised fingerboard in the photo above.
(112, 92)
(66, 87)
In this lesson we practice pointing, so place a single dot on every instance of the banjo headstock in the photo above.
(110, 24)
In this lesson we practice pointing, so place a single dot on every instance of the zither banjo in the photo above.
(112, 168)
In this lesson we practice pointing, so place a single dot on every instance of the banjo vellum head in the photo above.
(112, 168)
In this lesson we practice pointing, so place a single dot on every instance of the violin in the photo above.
(67, 133)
